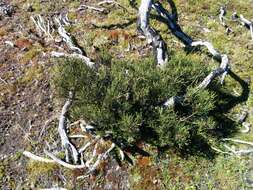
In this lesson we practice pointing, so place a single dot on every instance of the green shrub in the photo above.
(125, 99)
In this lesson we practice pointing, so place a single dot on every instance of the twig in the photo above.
(76, 136)
(65, 164)
(64, 19)
(112, 2)
(37, 158)
(67, 38)
(66, 144)
(84, 147)
(238, 141)
(43, 26)
(85, 59)
(45, 125)
(222, 19)
(82, 7)
(53, 188)
(220, 151)
(222, 58)
(246, 126)
(244, 22)
(152, 36)
(3, 81)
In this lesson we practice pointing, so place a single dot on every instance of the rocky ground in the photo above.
(29, 107)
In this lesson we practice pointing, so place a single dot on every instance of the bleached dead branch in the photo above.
(238, 141)
(175, 29)
(84, 147)
(221, 71)
(76, 136)
(238, 152)
(221, 151)
(9, 43)
(232, 150)
(112, 2)
(101, 157)
(246, 126)
(152, 36)
(245, 22)
(66, 144)
(53, 188)
(83, 7)
(222, 58)
(56, 160)
(42, 26)
(63, 18)
(85, 59)
(67, 38)
(6, 10)
(37, 158)
(3, 81)
(222, 18)
(171, 102)
(65, 164)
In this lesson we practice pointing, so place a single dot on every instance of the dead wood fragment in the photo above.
(6, 10)
(83, 7)
(37, 158)
(43, 26)
(243, 21)
(152, 36)
(222, 19)
(85, 59)
(65, 164)
(66, 144)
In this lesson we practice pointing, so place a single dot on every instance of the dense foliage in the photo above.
(125, 99)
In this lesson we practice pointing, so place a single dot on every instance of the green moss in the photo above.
(37, 170)
(29, 55)
(32, 73)
(37, 6)
(224, 172)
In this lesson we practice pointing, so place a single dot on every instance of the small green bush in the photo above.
(125, 99)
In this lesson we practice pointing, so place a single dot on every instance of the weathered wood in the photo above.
(152, 36)
(66, 144)
(222, 19)
(245, 22)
